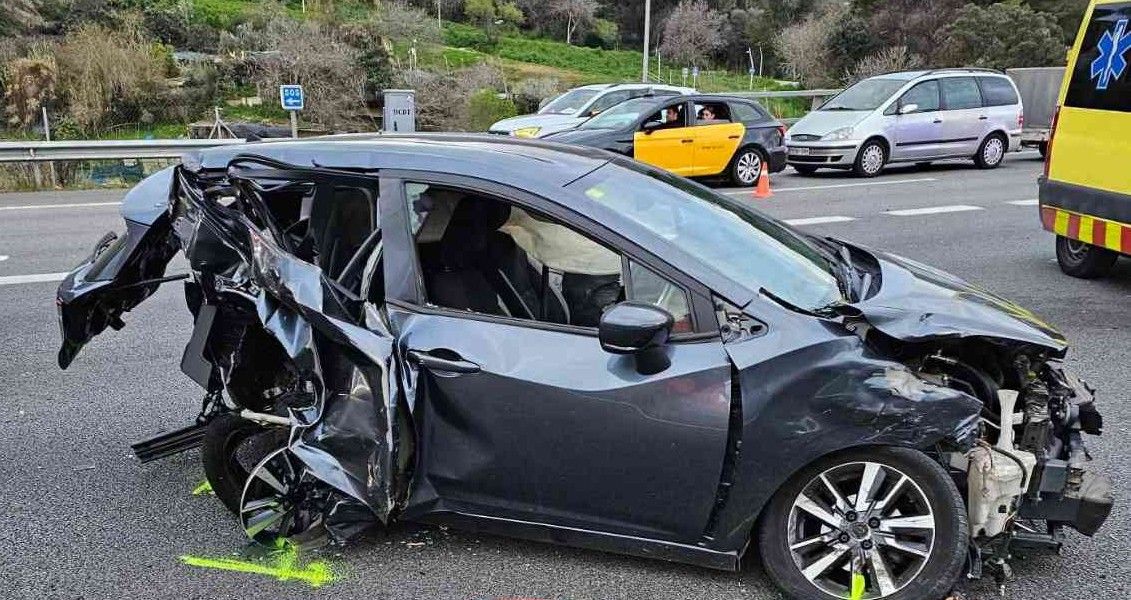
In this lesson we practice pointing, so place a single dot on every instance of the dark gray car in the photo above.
(564, 345)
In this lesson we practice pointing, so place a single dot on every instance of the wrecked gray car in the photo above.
(564, 345)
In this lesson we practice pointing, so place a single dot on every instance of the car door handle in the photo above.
(937, 121)
(734, 137)
(687, 141)
(444, 365)
(983, 118)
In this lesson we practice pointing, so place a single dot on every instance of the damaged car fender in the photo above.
(843, 396)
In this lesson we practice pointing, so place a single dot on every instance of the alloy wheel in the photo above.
(279, 500)
(749, 167)
(1076, 249)
(861, 521)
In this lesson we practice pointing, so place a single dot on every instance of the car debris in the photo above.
(399, 329)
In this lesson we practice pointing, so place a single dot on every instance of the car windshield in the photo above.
(620, 115)
(734, 239)
(865, 95)
(568, 103)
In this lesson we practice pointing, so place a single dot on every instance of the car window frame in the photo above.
(408, 292)
(942, 94)
(704, 102)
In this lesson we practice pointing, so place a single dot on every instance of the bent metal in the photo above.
(565, 345)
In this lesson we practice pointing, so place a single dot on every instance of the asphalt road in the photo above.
(81, 519)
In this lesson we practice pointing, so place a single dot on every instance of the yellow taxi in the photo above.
(697, 135)
(1085, 192)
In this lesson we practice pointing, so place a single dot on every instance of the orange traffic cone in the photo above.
(762, 190)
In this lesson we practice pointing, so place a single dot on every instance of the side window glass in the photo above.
(646, 285)
(925, 96)
(961, 93)
(606, 102)
(745, 113)
(997, 91)
(484, 255)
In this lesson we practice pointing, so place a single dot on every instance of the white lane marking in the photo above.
(69, 205)
(841, 185)
(818, 220)
(37, 278)
(4, 257)
(1024, 202)
(933, 210)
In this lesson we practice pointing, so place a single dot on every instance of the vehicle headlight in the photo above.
(526, 132)
(839, 134)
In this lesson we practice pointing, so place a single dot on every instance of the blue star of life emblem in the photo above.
(1111, 64)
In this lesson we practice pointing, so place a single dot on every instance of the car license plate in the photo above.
(799, 151)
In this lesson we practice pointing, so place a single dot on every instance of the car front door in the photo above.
(918, 123)
(667, 144)
(963, 121)
(523, 419)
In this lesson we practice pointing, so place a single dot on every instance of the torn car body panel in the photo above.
(314, 283)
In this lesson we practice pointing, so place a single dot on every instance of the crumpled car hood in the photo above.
(920, 303)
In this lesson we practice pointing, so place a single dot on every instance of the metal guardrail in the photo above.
(11, 152)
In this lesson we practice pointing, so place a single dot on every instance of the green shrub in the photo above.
(485, 107)
(467, 36)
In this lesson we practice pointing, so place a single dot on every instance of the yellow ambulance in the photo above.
(1085, 192)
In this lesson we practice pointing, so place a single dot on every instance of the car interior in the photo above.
(488, 256)
(660, 120)
(710, 113)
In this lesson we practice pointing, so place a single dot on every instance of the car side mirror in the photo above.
(639, 329)
(906, 109)
(651, 126)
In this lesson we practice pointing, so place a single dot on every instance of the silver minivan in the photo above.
(915, 116)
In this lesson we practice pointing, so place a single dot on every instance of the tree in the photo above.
(605, 33)
(1068, 13)
(488, 14)
(916, 24)
(575, 13)
(690, 32)
(805, 47)
(1003, 35)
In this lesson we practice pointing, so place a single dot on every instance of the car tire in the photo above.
(223, 467)
(871, 159)
(910, 575)
(748, 163)
(1083, 260)
(805, 169)
(1043, 149)
(992, 152)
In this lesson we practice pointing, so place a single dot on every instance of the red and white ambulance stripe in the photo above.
(1092, 230)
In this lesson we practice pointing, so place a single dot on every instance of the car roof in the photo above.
(955, 71)
(522, 163)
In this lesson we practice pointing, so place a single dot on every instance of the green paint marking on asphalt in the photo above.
(857, 586)
(282, 564)
(203, 488)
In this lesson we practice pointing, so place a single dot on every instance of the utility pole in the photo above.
(439, 23)
(647, 33)
(751, 56)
